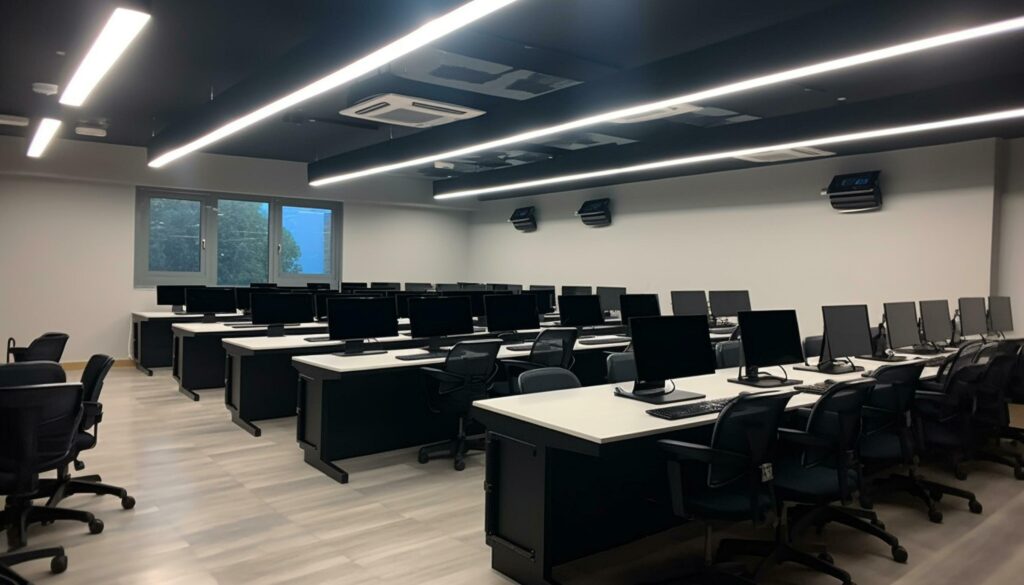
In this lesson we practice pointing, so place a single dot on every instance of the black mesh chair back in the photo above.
(965, 356)
(38, 424)
(31, 373)
(990, 392)
(729, 354)
(748, 426)
(812, 345)
(986, 352)
(554, 347)
(547, 380)
(621, 367)
(836, 420)
(890, 403)
(48, 347)
(95, 372)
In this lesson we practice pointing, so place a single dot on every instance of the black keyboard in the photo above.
(690, 409)
(319, 338)
(817, 388)
(604, 340)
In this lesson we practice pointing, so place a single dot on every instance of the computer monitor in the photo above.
(577, 290)
(418, 286)
(277, 310)
(355, 319)
(609, 296)
(936, 321)
(318, 285)
(847, 335)
(639, 305)
(511, 312)
(173, 295)
(209, 301)
(321, 300)
(1000, 314)
(549, 289)
(972, 316)
(770, 338)
(544, 299)
(902, 327)
(386, 285)
(433, 318)
(349, 286)
(580, 311)
(262, 285)
(446, 286)
(476, 298)
(690, 302)
(729, 303)
(672, 347)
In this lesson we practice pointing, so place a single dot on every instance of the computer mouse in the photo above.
(831, 382)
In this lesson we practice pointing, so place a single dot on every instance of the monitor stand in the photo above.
(831, 367)
(179, 310)
(923, 349)
(357, 347)
(209, 318)
(275, 330)
(754, 378)
(432, 351)
(656, 393)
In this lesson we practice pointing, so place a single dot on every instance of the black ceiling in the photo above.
(609, 53)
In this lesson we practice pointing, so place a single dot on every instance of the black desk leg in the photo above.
(187, 392)
(142, 368)
(311, 455)
(246, 425)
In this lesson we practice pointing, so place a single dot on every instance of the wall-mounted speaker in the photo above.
(523, 219)
(596, 213)
(855, 192)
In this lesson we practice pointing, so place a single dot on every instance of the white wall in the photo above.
(766, 230)
(1009, 279)
(67, 223)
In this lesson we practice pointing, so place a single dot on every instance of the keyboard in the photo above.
(520, 347)
(934, 362)
(604, 340)
(817, 388)
(690, 409)
(319, 338)
(422, 356)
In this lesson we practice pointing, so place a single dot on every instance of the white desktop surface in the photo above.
(264, 343)
(226, 328)
(343, 364)
(166, 314)
(597, 415)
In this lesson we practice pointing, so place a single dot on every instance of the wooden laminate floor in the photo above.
(216, 505)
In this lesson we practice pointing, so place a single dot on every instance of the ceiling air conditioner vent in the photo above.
(402, 110)
(785, 154)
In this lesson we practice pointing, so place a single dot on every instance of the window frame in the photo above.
(145, 278)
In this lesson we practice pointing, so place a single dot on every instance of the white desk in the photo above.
(152, 340)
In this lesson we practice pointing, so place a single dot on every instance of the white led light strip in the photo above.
(44, 134)
(689, 160)
(121, 29)
(995, 28)
(426, 34)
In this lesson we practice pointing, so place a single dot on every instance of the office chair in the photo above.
(467, 375)
(730, 479)
(621, 367)
(552, 348)
(43, 375)
(889, 441)
(812, 345)
(35, 426)
(65, 485)
(547, 380)
(990, 421)
(820, 469)
(965, 355)
(48, 347)
(729, 354)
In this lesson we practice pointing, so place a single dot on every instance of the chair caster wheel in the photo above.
(899, 554)
(127, 502)
(423, 458)
(460, 465)
(95, 526)
(59, 564)
(827, 558)
(935, 516)
(960, 474)
(935, 496)
(974, 506)
(79, 466)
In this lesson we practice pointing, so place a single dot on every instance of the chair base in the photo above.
(58, 563)
(928, 492)
(455, 449)
(61, 488)
(777, 552)
(805, 516)
(17, 516)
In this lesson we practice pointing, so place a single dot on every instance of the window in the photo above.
(207, 238)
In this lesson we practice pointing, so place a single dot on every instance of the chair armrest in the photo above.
(802, 438)
(696, 452)
(93, 414)
(521, 364)
(930, 396)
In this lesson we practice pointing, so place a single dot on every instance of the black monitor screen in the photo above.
(544, 299)
(353, 285)
(440, 316)
(511, 312)
(672, 347)
(580, 311)
(729, 303)
(417, 286)
(972, 316)
(547, 289)
(172, 294)
(901, 324)
(936, 322)
(609, 296)
(243, 296)
(281, 308)
(402, 301)
(386, 285)
(361, 318)
(640, 305)
(770, 338)
(847, 330)
(577, 290)
(476, 298)
(318, 285)
(210, 300)
(263, 285)
(689, 302)
(321, 303)
(1000, 314)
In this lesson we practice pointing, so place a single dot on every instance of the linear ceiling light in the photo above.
(731, 88)
(426, 34)
(700, 158)
(44, 134)
(119, 32)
